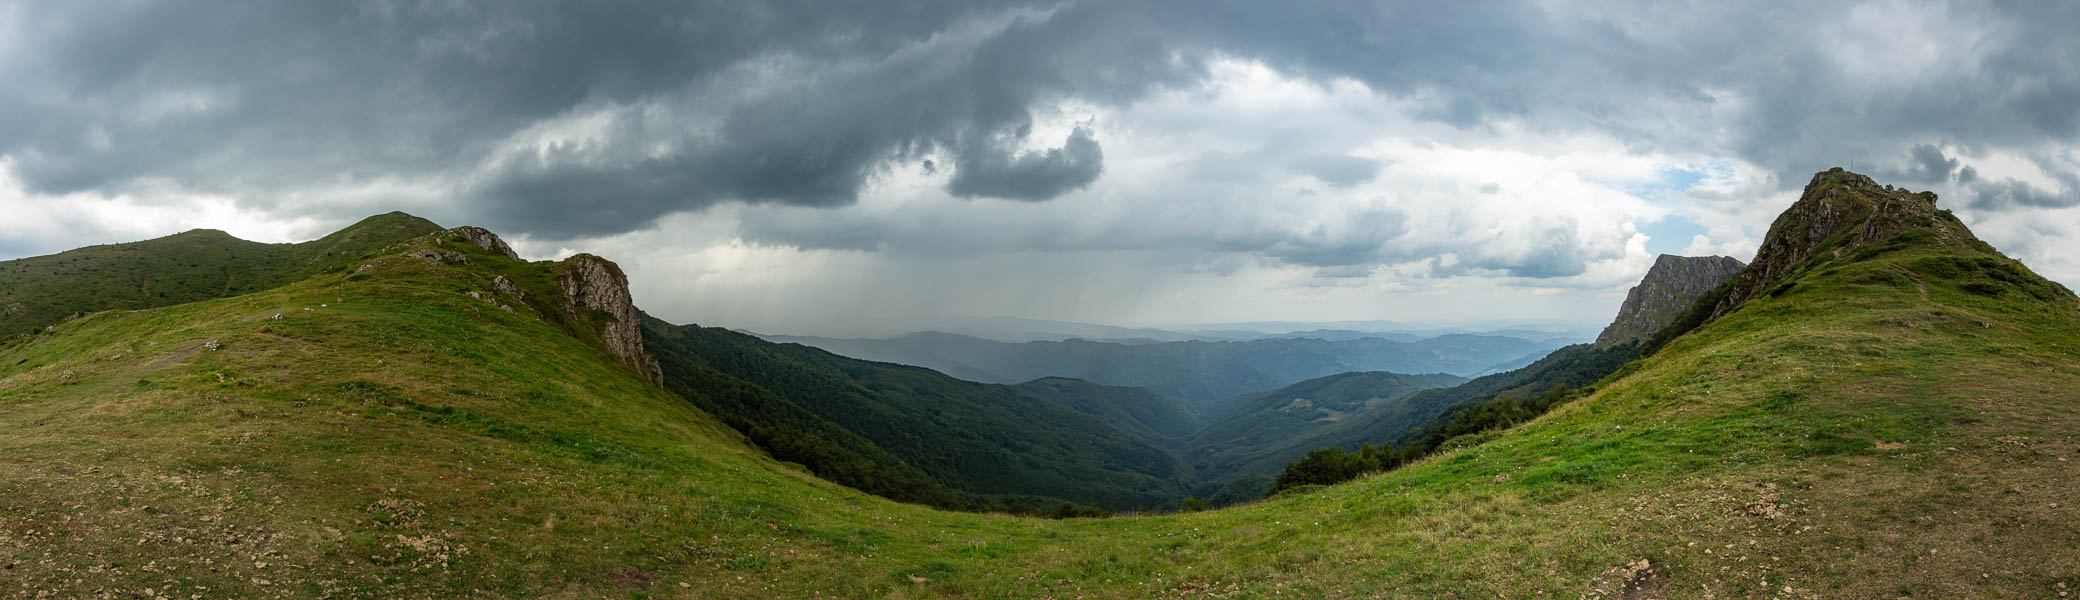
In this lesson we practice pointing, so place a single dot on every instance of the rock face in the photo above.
(1838, 213)
(592, 282)
(483, 238)
(1668, 289)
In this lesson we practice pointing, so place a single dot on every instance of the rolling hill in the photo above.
(1895, 418)
(184, 267)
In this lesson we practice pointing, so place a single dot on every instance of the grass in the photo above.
(1846, 438)
(185, 267)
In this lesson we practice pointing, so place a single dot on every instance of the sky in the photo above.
(808, 167)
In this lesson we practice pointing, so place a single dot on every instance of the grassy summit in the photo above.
(184, 267)
(1898, 422)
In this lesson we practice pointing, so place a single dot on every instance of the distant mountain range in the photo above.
(1016, 329)
(1199, 372)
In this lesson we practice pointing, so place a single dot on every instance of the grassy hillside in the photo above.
(1900, 424)
(184, 267)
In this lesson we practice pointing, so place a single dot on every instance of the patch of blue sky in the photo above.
(1674, 232)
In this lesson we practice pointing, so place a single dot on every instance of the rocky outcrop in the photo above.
(592, 282)
(439, 256)
(505, 286)
(487, 240)
(1838, 213)
(1670, 287)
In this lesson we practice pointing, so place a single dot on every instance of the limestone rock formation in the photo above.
(592, 282)
(1668, 289)
(487, 240)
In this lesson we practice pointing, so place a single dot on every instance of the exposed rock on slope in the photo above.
(1668, 289)
(487, 240)
(592, 282)
(1840, 213)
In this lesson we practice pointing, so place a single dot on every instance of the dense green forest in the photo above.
(1036, 445)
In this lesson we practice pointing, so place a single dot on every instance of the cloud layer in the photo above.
(1366, 153)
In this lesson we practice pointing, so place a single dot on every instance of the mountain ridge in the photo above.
(184, 267)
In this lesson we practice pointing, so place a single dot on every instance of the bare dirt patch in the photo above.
(631, 578)
(178, 357)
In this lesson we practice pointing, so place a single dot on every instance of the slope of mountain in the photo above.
(1401, 417)
(1241, 430)
(1079, 452)
(1036, 444)
(184, 267)
(1669, 288)
(1200, 373)
(1156, 419)
(1893, 423)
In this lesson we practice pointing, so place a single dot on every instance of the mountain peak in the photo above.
(1839, 213)
(1669, 288)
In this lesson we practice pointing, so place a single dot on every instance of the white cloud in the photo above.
(1452, 160)
(43, 223)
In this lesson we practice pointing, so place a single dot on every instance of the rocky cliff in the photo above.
(1669, 288)
(1839, 213)
(595, 283)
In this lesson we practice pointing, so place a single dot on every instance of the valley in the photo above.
(1879, 404)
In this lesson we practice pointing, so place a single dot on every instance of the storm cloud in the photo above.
(1400, 144)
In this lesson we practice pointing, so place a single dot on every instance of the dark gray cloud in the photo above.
(991, 170)
(1929, 165)
(681, 106)
(281, 96)
(2008, 194)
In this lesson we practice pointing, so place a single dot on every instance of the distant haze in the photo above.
(833, 168)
